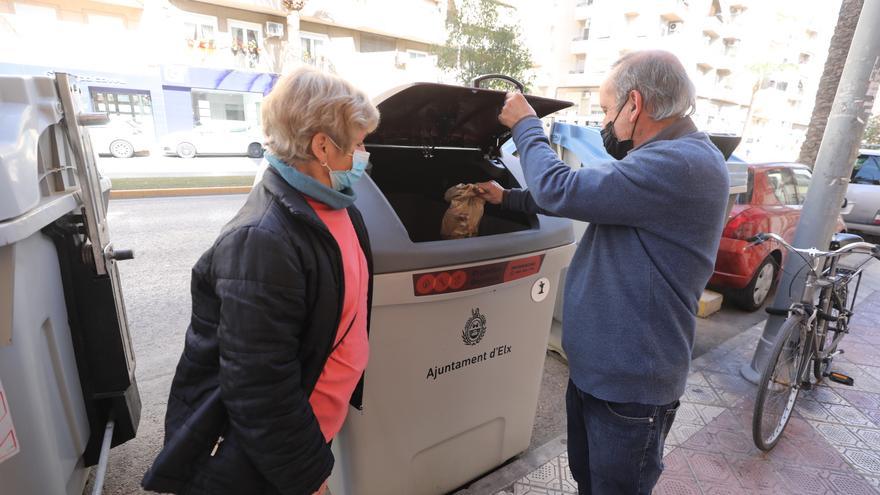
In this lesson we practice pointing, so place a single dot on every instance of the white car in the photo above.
(219, 137)
(120, 138)
(863, 194)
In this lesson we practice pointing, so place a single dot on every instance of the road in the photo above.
(169, 234)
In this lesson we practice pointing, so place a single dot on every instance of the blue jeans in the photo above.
(615, 448)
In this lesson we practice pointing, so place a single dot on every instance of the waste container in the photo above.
(66, 364)
(459, 327)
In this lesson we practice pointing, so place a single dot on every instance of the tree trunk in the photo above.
(837, 52)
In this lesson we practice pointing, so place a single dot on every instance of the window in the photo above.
(802, 177)
(730, 47)
(580, 62)
(247, 43)
(783, 188)
(215, 106)
(804, 58)
(371, 44)
(107, 22)
(36, 13)
(417, 55)
(866, 170)
(782, 85)
(586, 30)
(200, 33)
(135, 105)
(746, 197)
(313, 48)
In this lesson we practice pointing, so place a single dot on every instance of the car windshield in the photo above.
(866, 170)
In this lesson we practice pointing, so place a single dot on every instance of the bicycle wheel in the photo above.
(780, 383)
(838, 306)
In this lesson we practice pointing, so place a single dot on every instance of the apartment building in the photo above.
(755, 64)
(174, 64)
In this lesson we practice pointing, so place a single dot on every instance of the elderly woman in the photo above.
(277, 344)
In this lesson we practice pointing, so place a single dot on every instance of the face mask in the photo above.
(345, 179)
(615, 147)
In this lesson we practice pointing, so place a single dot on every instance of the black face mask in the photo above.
(615, 147)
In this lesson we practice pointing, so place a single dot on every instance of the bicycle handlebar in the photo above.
(873, 249)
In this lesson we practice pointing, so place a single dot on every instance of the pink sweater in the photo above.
(347, 363)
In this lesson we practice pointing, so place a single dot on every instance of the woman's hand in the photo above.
(491, 192)
(323, 489)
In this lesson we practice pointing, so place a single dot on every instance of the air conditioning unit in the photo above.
(274, 29)
(673, 27)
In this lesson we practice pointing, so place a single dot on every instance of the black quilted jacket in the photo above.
(266, 304)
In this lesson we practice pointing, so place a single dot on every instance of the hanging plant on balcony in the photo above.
(293, 5)
(237, 46)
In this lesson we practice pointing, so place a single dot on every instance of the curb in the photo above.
(503, 477)
(176, 192)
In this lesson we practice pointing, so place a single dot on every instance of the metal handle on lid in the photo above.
(477, 80)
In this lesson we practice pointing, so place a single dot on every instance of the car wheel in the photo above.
(186, 150)
(752, 296)
(255, 150)
(121, 148)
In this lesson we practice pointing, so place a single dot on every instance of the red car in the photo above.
(747, 273)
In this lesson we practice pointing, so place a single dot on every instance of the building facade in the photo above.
(172, 65)
(755, 63)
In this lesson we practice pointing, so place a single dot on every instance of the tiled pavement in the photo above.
(831, 445)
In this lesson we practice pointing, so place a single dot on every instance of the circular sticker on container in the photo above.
(541, 289)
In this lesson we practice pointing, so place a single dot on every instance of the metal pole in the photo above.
(834, 165)
(105, 457)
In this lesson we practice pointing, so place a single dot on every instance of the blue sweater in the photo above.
(634, 283)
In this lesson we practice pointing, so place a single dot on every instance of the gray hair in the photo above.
(308, 101)
(661, 80)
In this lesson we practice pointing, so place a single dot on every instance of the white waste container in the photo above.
(65, 361)
(459, 327)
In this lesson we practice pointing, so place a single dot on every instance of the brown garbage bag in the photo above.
(462, 219)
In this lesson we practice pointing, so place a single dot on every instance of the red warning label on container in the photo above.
(476, 277)
(8, 440)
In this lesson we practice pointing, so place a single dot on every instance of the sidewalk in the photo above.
(831, 445)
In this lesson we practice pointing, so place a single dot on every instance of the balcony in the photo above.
(672, 10)
(272, 7)
(713, 26)
(590, 78)
(582, 11)
(630, 8)
(579, 46)
(132, 4)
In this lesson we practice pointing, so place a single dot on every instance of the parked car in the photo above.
(747, 273)
(863, 194)
(120, 138)
(218, 137)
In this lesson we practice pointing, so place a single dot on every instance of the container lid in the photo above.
(726, 143)
(440, 115)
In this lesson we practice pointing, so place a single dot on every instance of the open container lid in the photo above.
(433, 115)
(726, 143)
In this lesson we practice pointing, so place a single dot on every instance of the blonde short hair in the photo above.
(308, 101)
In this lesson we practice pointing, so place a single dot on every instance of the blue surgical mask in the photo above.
(345, 179)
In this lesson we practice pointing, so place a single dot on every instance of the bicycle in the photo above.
(811, 333)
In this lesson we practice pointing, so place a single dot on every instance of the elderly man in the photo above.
(656, 212)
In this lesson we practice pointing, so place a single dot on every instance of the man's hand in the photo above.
(323, 489)
(491, 191)
(515, 109)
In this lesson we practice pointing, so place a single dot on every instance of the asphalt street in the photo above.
(168, 235)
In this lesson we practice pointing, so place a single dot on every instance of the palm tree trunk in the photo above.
(837, 52)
